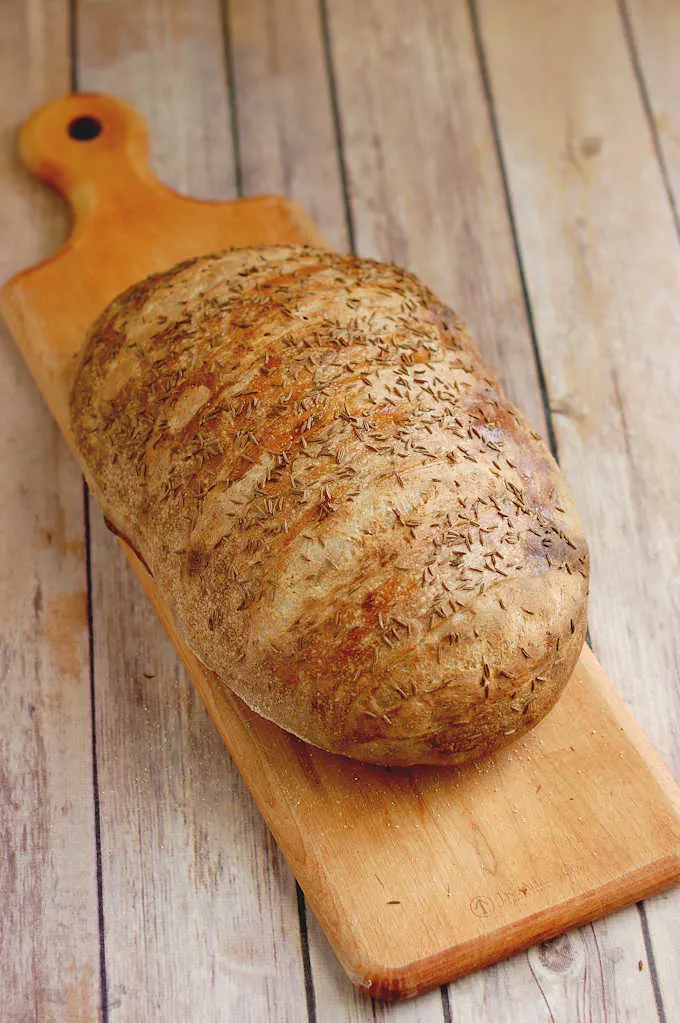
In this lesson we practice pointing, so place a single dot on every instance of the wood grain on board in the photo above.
(601, 254)
(49, 948)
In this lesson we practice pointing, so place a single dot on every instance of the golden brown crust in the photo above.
(349, 521)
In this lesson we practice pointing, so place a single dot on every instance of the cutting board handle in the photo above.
(93, 149)
(85, 145)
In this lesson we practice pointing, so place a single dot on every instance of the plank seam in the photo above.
(337, 123)
(103, 980)
(493, 121)
(73, 43)
(306, 959)
(647, 107)
(446, 1004)
(231, 96)
(537, 981)
(603, 991)
(649, 949)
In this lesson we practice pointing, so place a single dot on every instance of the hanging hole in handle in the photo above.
(84, 129)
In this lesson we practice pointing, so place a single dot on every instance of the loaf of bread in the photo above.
(348, 520)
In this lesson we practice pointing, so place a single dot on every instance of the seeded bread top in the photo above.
(349, 521)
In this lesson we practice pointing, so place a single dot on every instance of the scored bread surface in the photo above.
(349, 521)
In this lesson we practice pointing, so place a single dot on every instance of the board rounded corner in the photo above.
(376, 978)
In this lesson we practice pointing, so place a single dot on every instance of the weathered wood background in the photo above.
(524, 158)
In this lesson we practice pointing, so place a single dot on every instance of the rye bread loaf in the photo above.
(349, 521)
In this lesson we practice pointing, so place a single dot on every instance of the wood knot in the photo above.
(591, 146)
(561, 955)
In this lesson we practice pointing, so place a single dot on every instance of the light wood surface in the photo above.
(534, 840)
(49, 931)
(606, 313)
(170, 63)
(286, 136)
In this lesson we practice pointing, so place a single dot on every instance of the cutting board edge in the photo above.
(408, 980)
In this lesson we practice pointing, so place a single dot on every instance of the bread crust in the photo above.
(349, 521)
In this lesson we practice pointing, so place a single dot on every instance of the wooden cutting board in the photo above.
(416, 875)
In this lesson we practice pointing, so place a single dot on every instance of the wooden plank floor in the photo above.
(524, 159)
